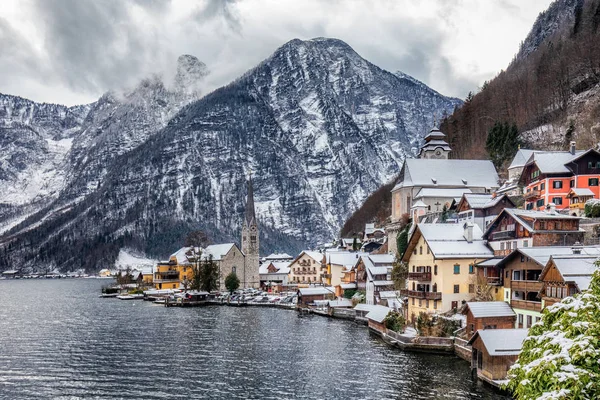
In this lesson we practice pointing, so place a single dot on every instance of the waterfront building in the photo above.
(494, 351)
(375, 319)
(309, 295)
(488, 315)
(481, 208)
(378, 272)
(229, 258)
(432, 181)
(166, 275)
(441, 259)
(567, 274)
(511, 187)
(549, 177)
(514, 228)
(249, 275)
(308, 268)
(338, 262)
(274, 275)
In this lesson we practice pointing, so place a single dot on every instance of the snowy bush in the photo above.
(561, 356)
(592, 208)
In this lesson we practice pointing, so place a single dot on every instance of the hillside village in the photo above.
(457, 259)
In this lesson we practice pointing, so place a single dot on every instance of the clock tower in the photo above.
(250, 276)
(435, 146)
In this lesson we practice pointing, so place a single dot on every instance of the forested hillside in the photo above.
(550, 90)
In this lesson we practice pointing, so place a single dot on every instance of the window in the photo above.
(557, 200)
(506, 274)
(539, 203)
(420, 249)
(507, 245)
(413, 286)
(415, 251)
(502, 246)
(456, 269)
(542, 225)
(413, 301)
(471, 288)
(435, 304)
(557, 184)
(426, 303)
(597, 164)
(233, 269)
(590, 164)
(525, 243)
(427, 249)
(521, 320)
(506, 293)
(471, 269)
(414, 269)
(420, 303)
(529, 321)
(557, 225)
(435, 269)
(515, 245)
(542, 186)
(535, 188)
(522, 258)
(456, 288)
(537, 319)
(572, 184)
(435, 287)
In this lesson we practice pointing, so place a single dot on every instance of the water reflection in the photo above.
(59, 340)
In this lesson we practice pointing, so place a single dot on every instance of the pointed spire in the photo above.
(250, 217)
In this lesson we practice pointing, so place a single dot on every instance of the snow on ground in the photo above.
(133, 259)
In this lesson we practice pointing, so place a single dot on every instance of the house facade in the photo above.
(307, 269)
(274, 276)
(481, 208)
(488, 315)
(494, 351)
(549, 176)
(441, 260)
(514, 228)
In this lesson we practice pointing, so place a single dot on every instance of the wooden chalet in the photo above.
(488, 315)
(514, 228)
(481, 208)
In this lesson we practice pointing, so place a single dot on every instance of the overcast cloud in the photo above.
(72, 51)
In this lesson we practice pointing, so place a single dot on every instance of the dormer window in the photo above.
(434, 181)
(464, 181)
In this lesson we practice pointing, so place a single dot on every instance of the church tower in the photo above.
(250, 277)
(435, 146)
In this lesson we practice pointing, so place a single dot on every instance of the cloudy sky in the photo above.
(72, 51)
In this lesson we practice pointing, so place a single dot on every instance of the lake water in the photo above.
(58, 339)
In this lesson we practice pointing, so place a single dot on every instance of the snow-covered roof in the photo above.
(521, 158)
(485, 309)
(378, 314)
(315, 291)
(419, 203)
(491, 262)
(388, 294)
(383, 283)
(344, 257)
(542, 254)
(315, 255)
(381, 258)
(340, 303)
(218, 251)
(519, 215)
(448, 173)
(278, 256)
(181, 254)
(448, 241)
(370, 228)
(576, 268)
(553, 162)
(581, 192)
(442, 193)
(283, 267)
(348, 285)
(501, 342)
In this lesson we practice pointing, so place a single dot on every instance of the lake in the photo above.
(58, 340)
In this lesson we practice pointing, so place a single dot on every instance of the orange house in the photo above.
(565, 178)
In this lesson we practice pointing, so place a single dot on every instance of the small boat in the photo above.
(109, 295)
(125, 297)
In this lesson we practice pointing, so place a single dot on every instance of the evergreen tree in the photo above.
(402, 241)
(209, 275)
(561, 356)
(232, 282)
(355, 244)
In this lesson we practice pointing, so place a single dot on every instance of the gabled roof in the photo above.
(448, 173)
(521, 158)
(541, 255)
(343, 257)
(519, 215)
(315, 255)
(447, 241)
(279, 256)
(344, 303)
(479, 201)
(553, 162)
(576, 268)
(181, 255)
(316, 291)
(580, 192)
(218, 251)
(283, 267)
(378, 314)
(501, 342)
(487, 309)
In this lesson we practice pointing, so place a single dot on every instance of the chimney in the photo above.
(551, 208)
(572, 148)
(577, 247)
(468, 235)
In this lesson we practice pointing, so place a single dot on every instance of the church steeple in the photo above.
(250, 242)
(435, 145)
(250, 216)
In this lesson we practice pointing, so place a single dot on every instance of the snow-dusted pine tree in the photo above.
(561, 356)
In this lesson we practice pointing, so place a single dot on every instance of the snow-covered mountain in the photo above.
(318, 126)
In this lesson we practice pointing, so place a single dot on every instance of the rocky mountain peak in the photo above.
(190, 73)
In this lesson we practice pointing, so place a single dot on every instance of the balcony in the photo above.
(527, 286)
(527, 305)
(501, 235)
(424, 295)
(577, 206)
(326, 276)
(531, 195)
(494, 280)
(419, 276)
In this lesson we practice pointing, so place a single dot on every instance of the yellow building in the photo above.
(338, 263)
(441, 262)
(308, 268)
(173, 273)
